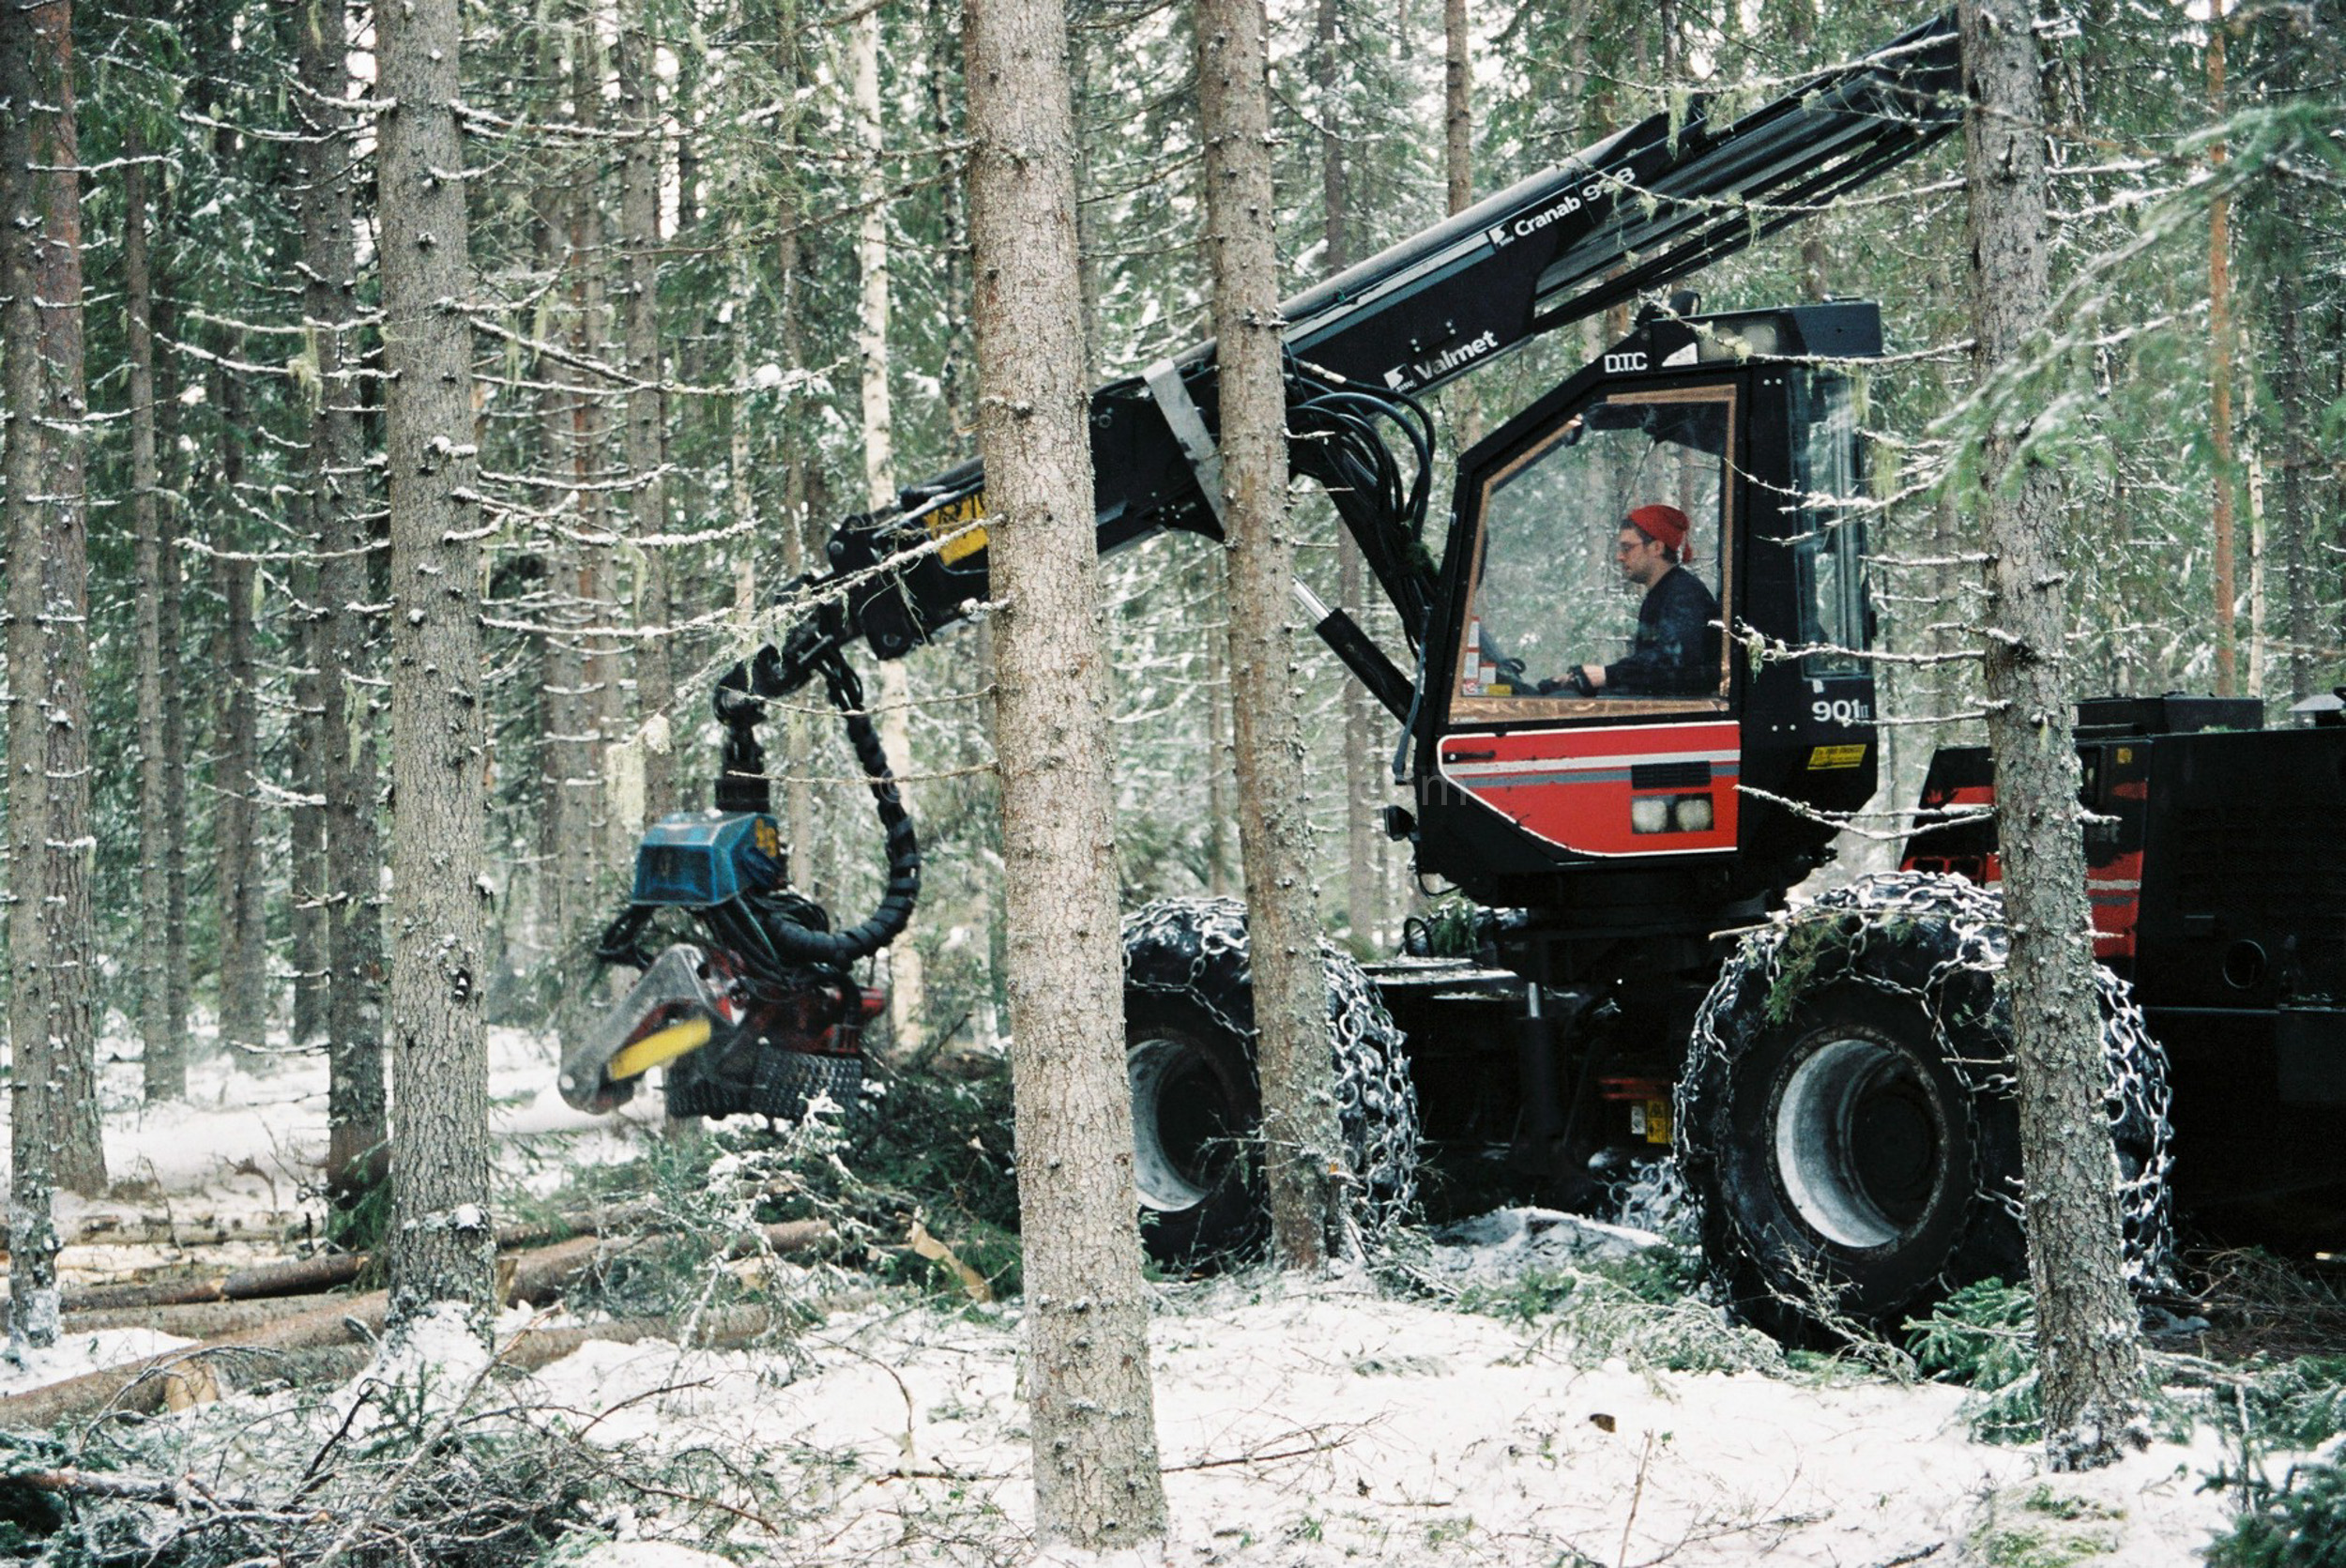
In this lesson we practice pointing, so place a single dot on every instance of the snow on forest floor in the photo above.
(1334, 1422)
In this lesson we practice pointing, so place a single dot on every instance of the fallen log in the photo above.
(302, 1276)
(533, 1348)
(191, 1319)
(186, 1374)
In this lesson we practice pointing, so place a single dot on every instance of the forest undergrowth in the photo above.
(914, 1193)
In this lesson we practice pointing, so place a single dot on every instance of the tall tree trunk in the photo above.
(1094, 1426)
(564, 837)
(2292, 380)
(171, 585)
(240, 870)
(2090, 1361)
(1221, 813)
(354, 1100)
(1301, 1139)
(604, 701)
(1364, 903)
(639, 223)
(1459, 169)
(305, 868)
(2219, 352)
(441, 1243)
(49, 844)
(162, 1028)
(905, 1003)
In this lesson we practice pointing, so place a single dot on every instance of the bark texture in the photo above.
(2219, 360)
(603, 709)
(354, 1100)
(1097, 1483)
(1301, 1137)
(441, 1246)
(162, 1027)
(639, 223)
(2091, 1363)
(50, 936)
(906, 1002)
(1364, 903)
(1466, 402)
(239, 869)
(48, 651)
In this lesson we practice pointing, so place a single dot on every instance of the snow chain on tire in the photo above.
(1195, 949)
(1940, 942)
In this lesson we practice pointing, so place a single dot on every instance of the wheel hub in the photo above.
(1857, 1147)
(1183, 1124)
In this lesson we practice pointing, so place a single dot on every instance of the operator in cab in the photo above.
(1675, 650)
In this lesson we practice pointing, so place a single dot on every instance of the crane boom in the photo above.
(1641, 207)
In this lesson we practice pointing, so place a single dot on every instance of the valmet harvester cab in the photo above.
(1568, 762)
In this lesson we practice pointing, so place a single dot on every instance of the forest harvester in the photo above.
(1834, 1080)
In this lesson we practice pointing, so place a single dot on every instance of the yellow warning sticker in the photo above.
(1657, 1121)
(953, 517)
(1824, 757)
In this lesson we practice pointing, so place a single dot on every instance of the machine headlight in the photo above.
(1649, 814)
(1693, 813)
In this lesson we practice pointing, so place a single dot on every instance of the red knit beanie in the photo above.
(1665, 526)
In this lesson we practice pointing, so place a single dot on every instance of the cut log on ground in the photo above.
(189, 1320)
(186, 1374)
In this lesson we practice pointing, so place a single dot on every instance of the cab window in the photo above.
(1603, 564)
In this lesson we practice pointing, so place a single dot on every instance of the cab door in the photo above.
(1589, 704)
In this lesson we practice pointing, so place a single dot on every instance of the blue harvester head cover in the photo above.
(700, 857)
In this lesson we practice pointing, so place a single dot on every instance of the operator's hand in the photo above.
(1592, 677)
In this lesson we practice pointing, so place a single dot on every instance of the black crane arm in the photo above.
(1639, 208)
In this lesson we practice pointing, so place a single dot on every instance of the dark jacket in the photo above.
(1675, 652)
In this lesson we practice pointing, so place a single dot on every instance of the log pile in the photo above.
(278, 1323)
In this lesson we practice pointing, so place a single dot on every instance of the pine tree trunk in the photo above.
(354, 1098)
(305, 868)
(1221, 854)
(639, 223)
(1363, 902)
(50, 682)
(441, 1244)
(2219, 355)
(240, 870)
(1301, 1137)
(604, 702)
(2091, 1369)
(2291, 380)
(162, 1030)
(1459, 169)
(905, 1003)
(563, 835)
(171, 584)
(48, 918)
(1094, 1428)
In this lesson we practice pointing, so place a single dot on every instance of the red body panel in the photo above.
(2114, 884)
(1574, 787)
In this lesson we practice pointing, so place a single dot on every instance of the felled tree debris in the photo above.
(193, 1373)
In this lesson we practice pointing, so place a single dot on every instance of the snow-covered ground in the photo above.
(1335, 1421)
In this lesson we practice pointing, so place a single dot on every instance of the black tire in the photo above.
(1189, 1026)
(1848, 1121)
(1856, 1174)
(1196, 1113)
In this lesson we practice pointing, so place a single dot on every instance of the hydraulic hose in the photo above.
(796, 943)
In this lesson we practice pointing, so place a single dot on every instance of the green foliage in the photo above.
(2300, 1524)
(2042, 1528)
(1453, 928)
(1640, 1308)
(1984, 1338)
(931, 1147)
(2299, 1403)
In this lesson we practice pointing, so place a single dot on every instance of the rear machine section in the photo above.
(2217, 876)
